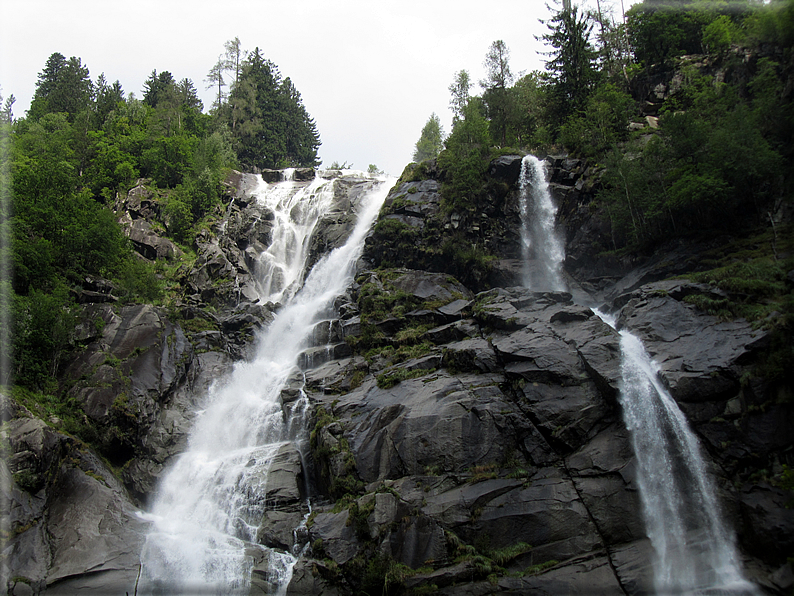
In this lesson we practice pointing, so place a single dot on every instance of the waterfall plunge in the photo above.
(209, 504)
(694, 552)
(542, 248)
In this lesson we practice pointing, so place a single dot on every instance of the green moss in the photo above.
(28, 481)
(539, 568)
(388, 380)
(505, 555)
(357, 378)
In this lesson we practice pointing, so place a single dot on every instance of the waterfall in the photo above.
(210, 502)
(297, 209)
(542, 248)
(694, 552)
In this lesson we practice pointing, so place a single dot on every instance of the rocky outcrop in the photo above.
(505, 432)
(68, 522)
(450, 445)
(480, 244)
(502, 440)
(465, 435)
(138, 213)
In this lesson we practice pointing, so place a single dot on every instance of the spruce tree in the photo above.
(431, 140)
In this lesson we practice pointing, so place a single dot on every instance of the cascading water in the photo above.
(542, 248)
(297, 209)
(694, 552)
(210, 502)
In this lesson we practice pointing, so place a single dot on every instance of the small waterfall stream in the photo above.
(543, 250)
(210, 502)
(694, 552)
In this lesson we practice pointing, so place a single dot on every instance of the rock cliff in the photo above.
(465, 433)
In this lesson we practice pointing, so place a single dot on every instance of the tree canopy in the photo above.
(269, 123)
(84, 143)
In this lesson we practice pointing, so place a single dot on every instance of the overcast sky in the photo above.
(370, 72)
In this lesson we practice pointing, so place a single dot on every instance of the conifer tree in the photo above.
(63, 86)
(270, 126)
(498, 80)
(572, 64)
(431, 140)
(459, 89)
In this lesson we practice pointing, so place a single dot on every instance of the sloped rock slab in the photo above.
(700, 356)
(440, 420)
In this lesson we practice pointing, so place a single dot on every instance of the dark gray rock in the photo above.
(546, 513)
(675, 334)
(311, 577)
(72, 525)
(582, 576)
(632, 564)
(767, 517)
(471, 355)
(337, 536)
(449, 422)
(506, 168)
(431, 286)
(415, 541)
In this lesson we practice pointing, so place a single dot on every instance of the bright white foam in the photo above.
(694, 551)
(212, 499)
(543, 251)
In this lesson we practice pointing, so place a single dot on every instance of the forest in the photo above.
(714, 157)
(85, 142)
(721, 143)
(683, 114)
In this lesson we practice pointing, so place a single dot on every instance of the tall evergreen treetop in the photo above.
(63, 86)
(572, 64)
(270, 126)
(431, 140)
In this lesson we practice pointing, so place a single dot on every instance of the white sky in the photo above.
(370, 72)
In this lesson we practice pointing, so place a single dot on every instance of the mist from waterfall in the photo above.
(542, 248)
(210, 502)
(694, 551)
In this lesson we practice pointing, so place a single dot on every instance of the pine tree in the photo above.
(459, 90)
(497, 81)
(431, 140)
(215, 78)
(270, 126)
(572, 64)
(63, 86)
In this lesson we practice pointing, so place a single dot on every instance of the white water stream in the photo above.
(543, 251)
(694, 551)
(210, 502)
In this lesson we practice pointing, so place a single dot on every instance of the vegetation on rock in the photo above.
(79, 150)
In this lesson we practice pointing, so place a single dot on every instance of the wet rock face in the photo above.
(507, 437)
(64, 513)
(505, 431)
(709, 366)
(462, 441)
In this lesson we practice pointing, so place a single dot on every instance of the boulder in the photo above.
(506, 168)
(675, 333)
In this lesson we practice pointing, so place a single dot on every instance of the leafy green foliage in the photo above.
(496, 83)
(63, 86)
(80, 146)
(660, 31)
(465, 158)
(710, 167)
(602, 124)
(43, 326)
